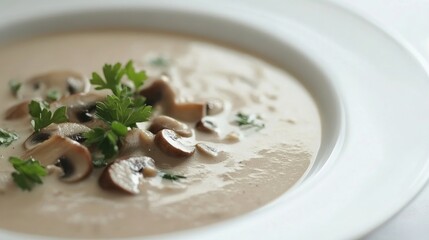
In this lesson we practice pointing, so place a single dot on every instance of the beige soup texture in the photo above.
(253, 166)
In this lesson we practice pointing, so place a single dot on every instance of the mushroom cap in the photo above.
(125, 175)
(169, 142)
(68, 153)
(206, 126)
(214, 106)
(17, 111)
(207, 150)
(81, 108)
(159, 91)
(165, 122)
(73, 131)
(66, 82)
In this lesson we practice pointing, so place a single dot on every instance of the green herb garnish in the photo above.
(14, 86)
(120, 111)
(113, 75)
(138, 78)
(53, 95)
(105, 140)
(43, 117)
(159, 62)
(172, 177)
(28, 172)
(249, 121)
(6, 137)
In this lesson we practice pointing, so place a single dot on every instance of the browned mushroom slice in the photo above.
(169, 142)
(81, 108)
(165, 122)
(206, 126)
(73, 131)
(160, 92)
(207, 150)
(125, 175)
(17, 111)
(214, 106)
(65, 82)
(73, 158)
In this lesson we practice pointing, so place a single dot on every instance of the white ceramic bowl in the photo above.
(349, 189)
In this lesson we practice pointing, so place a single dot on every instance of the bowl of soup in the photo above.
(175, 118)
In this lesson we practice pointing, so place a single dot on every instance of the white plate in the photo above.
(376, 132)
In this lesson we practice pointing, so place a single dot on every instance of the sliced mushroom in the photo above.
(66, 82)
(207, 150)
(165, 122)
(81, 108)
(17, 111)
(73, 131)
(73, 158)
(188, 112)
(172, 144)
(160, 92)
(125, 175)
(214, 106)
(206, 126)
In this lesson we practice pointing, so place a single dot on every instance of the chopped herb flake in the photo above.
(249, 121)
(159, 62)
(28, 172)
(172, 177)
(14, 86)
(6, 137)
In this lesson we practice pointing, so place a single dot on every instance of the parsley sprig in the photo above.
(43, 117)
(113, 75)
(6, 137)
(120, 111)
(28, 172)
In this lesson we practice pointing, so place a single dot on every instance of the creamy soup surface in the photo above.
(247, 174)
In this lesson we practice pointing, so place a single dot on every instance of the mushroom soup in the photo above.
(227, 133)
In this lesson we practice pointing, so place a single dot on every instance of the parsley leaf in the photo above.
(249, 121)
(43, 117)
(137, 78)
(105, 140)
(122, 110)
(113, 75)
(172, 177)
(6, 138)
(27, 173)
(14, 86)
